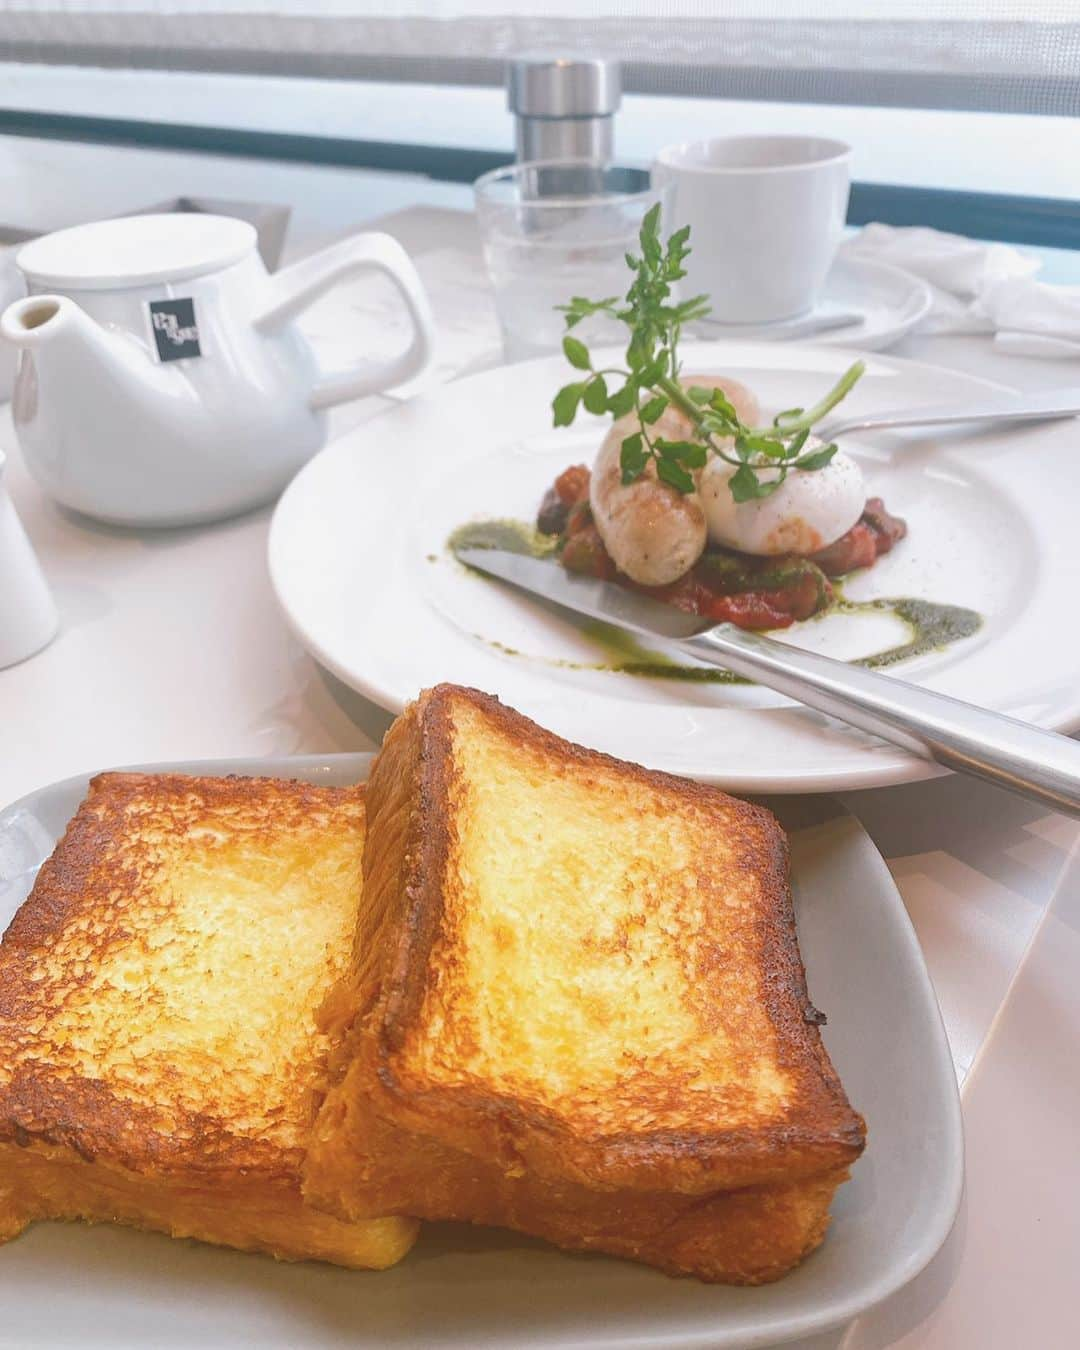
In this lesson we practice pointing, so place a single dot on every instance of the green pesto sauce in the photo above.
(512, 536)
(931, 627)
(626, 654)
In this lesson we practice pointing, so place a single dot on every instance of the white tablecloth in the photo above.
(172, 647)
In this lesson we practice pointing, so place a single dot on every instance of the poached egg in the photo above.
(811, 510)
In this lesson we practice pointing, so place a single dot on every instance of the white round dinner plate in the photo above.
(359, 561)
(888, 301)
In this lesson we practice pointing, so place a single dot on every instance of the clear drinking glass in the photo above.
(553, 229)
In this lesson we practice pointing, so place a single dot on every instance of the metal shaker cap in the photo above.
(541, 84)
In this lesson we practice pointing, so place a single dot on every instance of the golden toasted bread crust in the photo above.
(160, 1061)
(251, 1212)
(511, 1147)
(362, 1163)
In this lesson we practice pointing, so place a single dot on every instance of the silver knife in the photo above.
(1009, 753)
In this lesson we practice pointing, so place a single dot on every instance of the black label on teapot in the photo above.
(175, 330)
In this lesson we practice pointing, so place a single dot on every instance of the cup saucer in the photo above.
(885, 303)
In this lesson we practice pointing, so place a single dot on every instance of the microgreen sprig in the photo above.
(649, 384)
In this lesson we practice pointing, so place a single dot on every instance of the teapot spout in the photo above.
(93, 414)
(65, 350)
(68, 360)
(54, 328)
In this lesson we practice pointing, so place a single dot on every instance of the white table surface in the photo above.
(172, 647)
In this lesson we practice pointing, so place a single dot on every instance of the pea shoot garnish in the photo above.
(650, 385)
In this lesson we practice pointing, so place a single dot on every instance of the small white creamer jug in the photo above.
(28, 617)
(162, 380)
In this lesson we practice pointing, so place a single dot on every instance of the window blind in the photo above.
(981, 55)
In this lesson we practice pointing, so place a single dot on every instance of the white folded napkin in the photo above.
(978, 288)
(1021, 305)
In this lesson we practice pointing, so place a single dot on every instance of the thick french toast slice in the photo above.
(576, 1007)
(160, 1063)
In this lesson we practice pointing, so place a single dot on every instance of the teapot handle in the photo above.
(294, 288)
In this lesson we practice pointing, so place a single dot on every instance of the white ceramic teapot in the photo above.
(161, 378)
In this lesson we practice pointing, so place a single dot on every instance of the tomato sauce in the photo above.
(723, 585)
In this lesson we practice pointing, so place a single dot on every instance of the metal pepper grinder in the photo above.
(564, 106)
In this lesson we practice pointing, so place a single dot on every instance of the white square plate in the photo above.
(478, 1289)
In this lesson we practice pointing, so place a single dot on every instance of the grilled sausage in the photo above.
(654, 533)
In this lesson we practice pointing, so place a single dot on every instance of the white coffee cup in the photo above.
(765, 213)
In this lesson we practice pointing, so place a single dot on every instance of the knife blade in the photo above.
(586, 595)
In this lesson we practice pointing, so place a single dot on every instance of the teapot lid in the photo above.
(136, 251)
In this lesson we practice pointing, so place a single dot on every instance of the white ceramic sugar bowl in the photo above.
(162, 380)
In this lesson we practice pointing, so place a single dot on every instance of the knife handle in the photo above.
(1002, 750)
